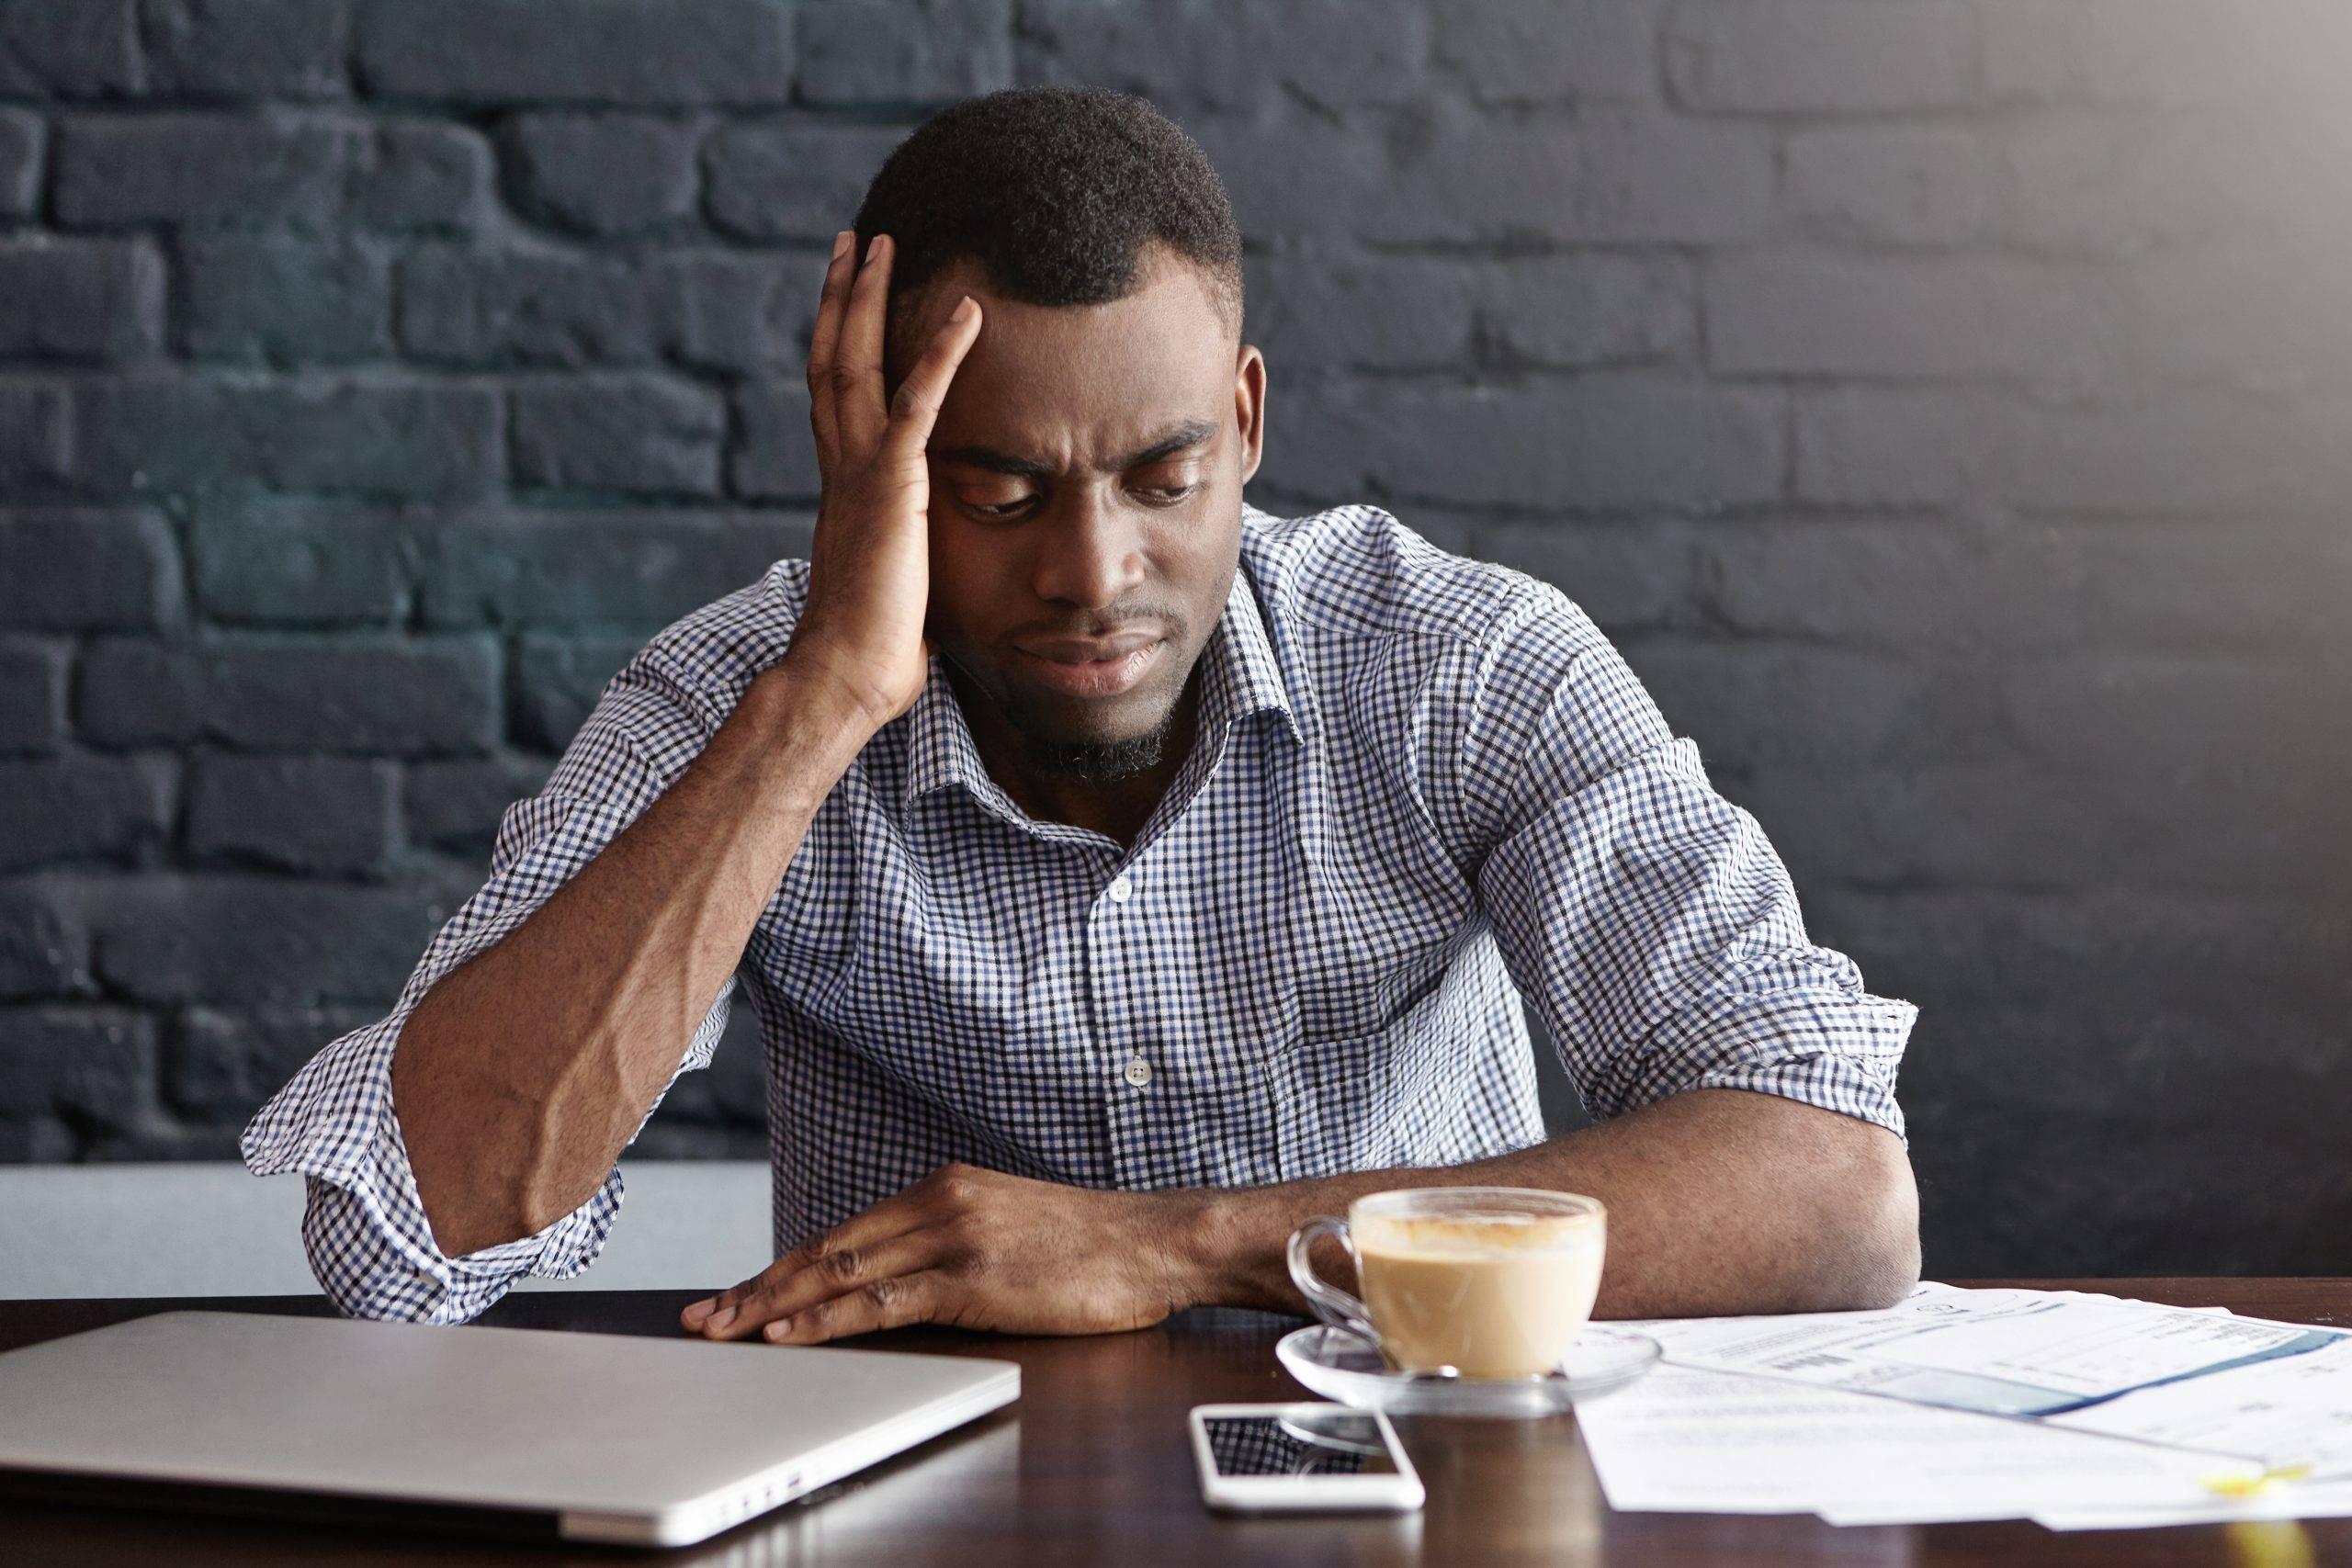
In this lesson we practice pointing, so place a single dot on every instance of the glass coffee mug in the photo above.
(1488, 1282)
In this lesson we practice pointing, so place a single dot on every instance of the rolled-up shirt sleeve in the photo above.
(363, 1226)
(1647, 918)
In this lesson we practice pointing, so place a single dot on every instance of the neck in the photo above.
(1117, 809)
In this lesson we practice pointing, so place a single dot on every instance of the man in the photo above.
(1121, 874)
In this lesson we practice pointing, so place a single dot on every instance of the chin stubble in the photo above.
(1099, 762)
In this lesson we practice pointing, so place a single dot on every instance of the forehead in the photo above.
(1075, 383)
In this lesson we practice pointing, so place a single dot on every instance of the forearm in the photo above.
(524, 1072)
(1720, 1201)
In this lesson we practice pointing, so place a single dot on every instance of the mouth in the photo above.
(1083, 666)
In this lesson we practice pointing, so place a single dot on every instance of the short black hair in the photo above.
(1054, 192)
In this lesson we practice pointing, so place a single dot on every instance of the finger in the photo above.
(858, 412)
(914, 410)
(826, 339)
(892, 1217)
(886, 1303)
(843, 1272)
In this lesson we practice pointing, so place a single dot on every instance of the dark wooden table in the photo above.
(1091, 1465)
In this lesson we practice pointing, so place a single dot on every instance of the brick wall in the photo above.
(1946, 403)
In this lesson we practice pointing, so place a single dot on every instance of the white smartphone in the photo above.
(1302, 1458)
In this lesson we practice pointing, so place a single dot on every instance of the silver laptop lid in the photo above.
(660, 1442)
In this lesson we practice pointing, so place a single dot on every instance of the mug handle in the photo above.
(1333, 1304)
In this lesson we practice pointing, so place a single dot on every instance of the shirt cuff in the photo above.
(1824, 1046)
(364, 1228)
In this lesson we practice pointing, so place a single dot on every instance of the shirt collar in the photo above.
(1238, 676)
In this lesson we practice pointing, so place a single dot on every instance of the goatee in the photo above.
(1101, 761)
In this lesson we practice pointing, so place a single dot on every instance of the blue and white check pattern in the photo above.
(1421, 785)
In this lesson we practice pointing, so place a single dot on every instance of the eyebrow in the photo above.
(1192, 433)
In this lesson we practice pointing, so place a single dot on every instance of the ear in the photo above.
(1250, 406)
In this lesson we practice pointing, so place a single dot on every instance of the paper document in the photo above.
(2302, 1500)
(2002, 1351)
(1687, 1441)
(2290, 1414)
(2079, 1410)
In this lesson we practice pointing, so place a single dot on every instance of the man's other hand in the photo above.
(976, 1249)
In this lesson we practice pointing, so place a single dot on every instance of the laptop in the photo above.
(510, 1431)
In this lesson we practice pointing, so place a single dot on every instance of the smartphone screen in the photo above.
(1342, 1442)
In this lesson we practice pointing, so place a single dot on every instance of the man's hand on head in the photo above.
(869, 564)
(973, 1248)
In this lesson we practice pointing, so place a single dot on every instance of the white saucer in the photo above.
(1347, 1368)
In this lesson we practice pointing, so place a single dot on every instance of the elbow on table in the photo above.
(1874, 1259)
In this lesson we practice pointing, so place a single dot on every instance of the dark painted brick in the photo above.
(87, 571)
(1822, 55)
(792, 182)
(582, 567)
(1561, 49)
(1578, 311)
(2201, 452)
(1915, 317)
(44, 950)
(381, 695)
(1620, 173)
(280, 301)
(456, 806)
(77, 49)
(635, 434)
(32, 697)
(94, 1066)
(2162, 52)
(1879, 582)
(603, 174)
(1224, 53)
(467, 309)
(1336, 186)
(1609, 440)
(290, 563)
(324, 815)
(241, 169)
(1997, 824)
(400, 438)
(1750, 703)
(744, 314)
(1925, 184)
(776, 457)
(1308, 308)
(557, 681)
(904, 51)
(35, 424)
(1922, 583)
(1626, 576)
(1647, 176)
(23, 137)
(624, 52)
(243, 938)
(292, 48)
(223, 1062)
(1894, 445)
(2114, 711)
(85, 299)
(422, 176)
(2245, 585)
(75, 809)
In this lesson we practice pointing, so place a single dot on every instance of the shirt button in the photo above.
(1121, 889)
(1138, 1071)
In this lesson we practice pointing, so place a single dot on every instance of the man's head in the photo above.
(1087, 465)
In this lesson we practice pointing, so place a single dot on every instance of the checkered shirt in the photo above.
(1422, 787)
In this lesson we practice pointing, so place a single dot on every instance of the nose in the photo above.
(1091, 559)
